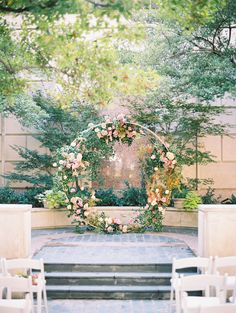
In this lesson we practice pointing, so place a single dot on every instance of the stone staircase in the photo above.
(108, 281)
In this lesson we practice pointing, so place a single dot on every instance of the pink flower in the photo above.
(163, 199)
(104, 133)
(115, 133)
(117, 221)
(73, 190)
(77, 202)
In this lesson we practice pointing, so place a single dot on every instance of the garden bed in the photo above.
(51, 218)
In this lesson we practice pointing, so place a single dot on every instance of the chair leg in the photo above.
(45, 300)
(39, 301)
(177, 301)
(171, 299)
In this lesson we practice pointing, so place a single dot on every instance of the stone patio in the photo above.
(65, 246)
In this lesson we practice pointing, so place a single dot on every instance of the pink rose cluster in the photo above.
(73, 161)
(116, 129)
(114, 225)
(81, 209)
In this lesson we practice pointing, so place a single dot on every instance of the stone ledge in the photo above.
(52, 218)
(15, 207)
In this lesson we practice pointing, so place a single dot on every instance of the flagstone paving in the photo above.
(108, 306)
(123, 248)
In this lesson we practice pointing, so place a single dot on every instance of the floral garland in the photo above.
(72, 169)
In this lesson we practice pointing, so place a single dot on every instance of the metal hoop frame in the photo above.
(134, 124)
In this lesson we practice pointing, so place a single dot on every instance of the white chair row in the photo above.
(16, 274)
(208, 268)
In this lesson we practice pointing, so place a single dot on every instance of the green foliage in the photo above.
(52, 198)
(193, 71)
(180, 192)
(73, 44)
(209, 197)
(9, 195)
(106, 197)
(231, 200)
(151, 219)
(190, 14)
(191, 201)
(133, 196)
(54, 127)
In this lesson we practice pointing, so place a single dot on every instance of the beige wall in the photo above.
(12, 133)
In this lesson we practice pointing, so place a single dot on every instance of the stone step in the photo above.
(106, 278)
(109, 292)
(107, 267)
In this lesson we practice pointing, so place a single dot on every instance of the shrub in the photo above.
(107, 197)
(52, 198)
(134, 196)
(191, 201)
(10, 196)
(209, 197)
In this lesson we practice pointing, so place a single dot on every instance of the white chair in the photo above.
(10, 285)
(223, 265)
(233, 298)
(204, 283)
(38, 284)
(222, 308)
(203, 265)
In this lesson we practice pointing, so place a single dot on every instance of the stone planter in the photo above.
(216, 230)
(15, 230)
(51, 218)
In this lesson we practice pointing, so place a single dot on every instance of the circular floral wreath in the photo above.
(73, 167)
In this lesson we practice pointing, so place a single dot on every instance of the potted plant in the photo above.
(52, 199)
(179, 195)
(191, 201)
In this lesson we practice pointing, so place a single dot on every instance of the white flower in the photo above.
(154, 202)
(125, 229)
(167, 192)
(157, 190)
(155, 169)
(100, 219)
(174, 162)
(61, 162)
(153, 157)
(65, 177)
(71, 156)
(97, 130)
(104, 125)
(90, 125)
(161, 210)
(110, 229)
(73, 144)
(54, 164)
(69, 207)
(170, 156)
